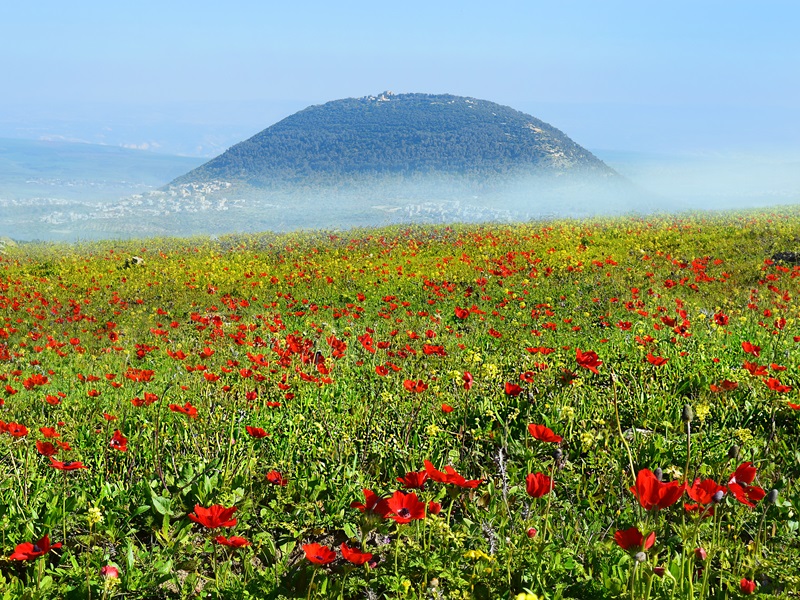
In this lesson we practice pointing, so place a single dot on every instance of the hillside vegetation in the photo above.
(408, 134)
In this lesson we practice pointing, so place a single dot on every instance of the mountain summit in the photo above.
(405, 135)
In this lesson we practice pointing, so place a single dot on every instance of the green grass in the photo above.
(272, 332)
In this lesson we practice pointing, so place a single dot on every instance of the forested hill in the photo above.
(399, 134)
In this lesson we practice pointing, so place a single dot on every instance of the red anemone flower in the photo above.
(187, 409)
(256, 432)
(446, 408)
(405, 507)
(414, 479)
(275, 478)
(415, 387)
(17, 430)
(751, 348)
(632, 539)
(747, 586)
(739, 485)
(354, 555)
(119, 441)
(233, 541)
(214, 516)
(702, 491)
(538, 485)
(654, 494)
(468, 380)
(544, 434)
(588, 360)
(657, 361)
(512, 389)
(46, 448)
(319, 555)
(373, 504)
(31, 550)
(70, 465)
(450, 476)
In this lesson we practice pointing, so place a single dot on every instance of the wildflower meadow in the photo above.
(561, 409)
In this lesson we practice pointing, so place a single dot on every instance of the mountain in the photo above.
(405, 135)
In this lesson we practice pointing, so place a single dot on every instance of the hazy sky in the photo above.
(195, 77)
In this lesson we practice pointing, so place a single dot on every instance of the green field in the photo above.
(409, 412)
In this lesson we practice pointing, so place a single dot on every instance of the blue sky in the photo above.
(195, 77)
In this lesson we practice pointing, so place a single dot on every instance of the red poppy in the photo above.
(588, 360)
(538, 485)
(632, 539)
(256, 432)
(275, 478)
(512, 389)
(373, 504)
(382, 370)
(415, 387)
(187, 409)
(654, 494)
(405, 507)
(747, 586)
(233, 541)
(70, 465)
(214, 516)
(434, 508)
(446, 408)
(319, 555)
(414, 479)
(49, 432)
(461, 313)
(450, 476)
(119, 441)
(29, 551)
(544, 434)
(46, 448)
(354, 555)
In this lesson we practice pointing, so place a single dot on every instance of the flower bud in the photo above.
(659, 571)
(531, 532)
(733, 453)
(659, 474)
(772, 497)
(109, 571)
(687, 414)
(718, 496)
(700, 553)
